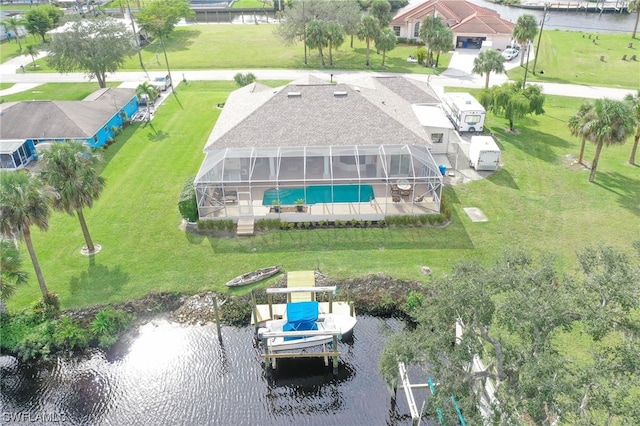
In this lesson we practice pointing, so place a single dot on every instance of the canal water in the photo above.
(172, 374)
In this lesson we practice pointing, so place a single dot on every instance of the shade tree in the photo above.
(97, 46)
(14, 23)
(43, 19)
(512, 101)
(579, 126)
(317, 37)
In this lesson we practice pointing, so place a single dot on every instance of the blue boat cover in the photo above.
(299, 312)
(301, 316)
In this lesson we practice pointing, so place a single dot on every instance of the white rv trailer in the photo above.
(464, 111)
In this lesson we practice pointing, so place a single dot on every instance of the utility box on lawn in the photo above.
(484, 153)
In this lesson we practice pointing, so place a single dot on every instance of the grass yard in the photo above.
(257, 46)
(571, 57)
(252, 4)
(538, 201)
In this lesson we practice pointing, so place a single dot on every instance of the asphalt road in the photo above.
(457, 75)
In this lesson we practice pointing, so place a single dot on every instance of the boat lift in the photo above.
(416, 416)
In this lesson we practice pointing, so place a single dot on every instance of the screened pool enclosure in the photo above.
(364, 182)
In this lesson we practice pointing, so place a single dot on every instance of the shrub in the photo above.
(413, 302)
(70, 335)
(402, 40)
(244, 79)
(48, 306)
(187, 203)
(109, 324)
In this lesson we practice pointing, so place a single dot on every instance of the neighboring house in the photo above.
(345, 151)
(472, 25)
(94, 120)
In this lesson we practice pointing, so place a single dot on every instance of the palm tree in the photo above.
(32, 50)
(634, 101)
(317, 36)
(634, 6)
(72, 169)
(486, 62)
(14, 24)
(579, 126)
(11, 273)
(442, 41)
(149, 90)
(368, 30)
(428, 33)
(612, 123)
(335, 35)
(25, 201)
(525, 31)
(386, 41)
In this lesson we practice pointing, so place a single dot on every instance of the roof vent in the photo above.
(294, 95)
(339, 94)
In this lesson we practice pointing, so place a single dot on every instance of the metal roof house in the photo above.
(94, 120)
(339, 151)
(471, 24)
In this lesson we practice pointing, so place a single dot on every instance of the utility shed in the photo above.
(484, 153)
(437, 125)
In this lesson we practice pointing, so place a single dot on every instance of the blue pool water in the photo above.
(320, 194)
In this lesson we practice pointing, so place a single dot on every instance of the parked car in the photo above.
(162, 82)
(509, 54)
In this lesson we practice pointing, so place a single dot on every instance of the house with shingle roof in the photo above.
(471, 24)
(344, 151)
(93, 120)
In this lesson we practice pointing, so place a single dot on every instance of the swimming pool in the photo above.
(320, 194)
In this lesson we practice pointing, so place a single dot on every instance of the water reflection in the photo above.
(174, 374)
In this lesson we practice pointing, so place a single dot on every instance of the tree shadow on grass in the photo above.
(536, 144)
(627, 189)
(98, 282)
(157, 136)
(503, 178)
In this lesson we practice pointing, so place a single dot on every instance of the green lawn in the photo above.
(252, 4)
(572, 57)
(536, 201)
(257, 46)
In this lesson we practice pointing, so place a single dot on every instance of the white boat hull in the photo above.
(327, 322)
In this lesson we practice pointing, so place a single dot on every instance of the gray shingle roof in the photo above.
(316, 114)
(62, 119)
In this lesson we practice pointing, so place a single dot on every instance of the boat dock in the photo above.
(300, 288)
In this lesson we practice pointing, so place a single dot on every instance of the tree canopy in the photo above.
(41, 19)
(385, 42)
(512, 101)
(634, 103)
(368, 30)
(514, 315)
(97, 46)
(437, 38)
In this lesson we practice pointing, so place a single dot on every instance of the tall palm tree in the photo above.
(428, 33)
(579, 126)
(11, 273)
(487, 62)
(525, 31)
(317, 36)
(634, 7)
(368, 30)
(25, 201)
(634, 101)
(612, 123)
(14, 24)
(71, 168)
(335, 35)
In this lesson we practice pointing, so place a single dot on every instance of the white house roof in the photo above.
(8, 146)
(432, 116)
